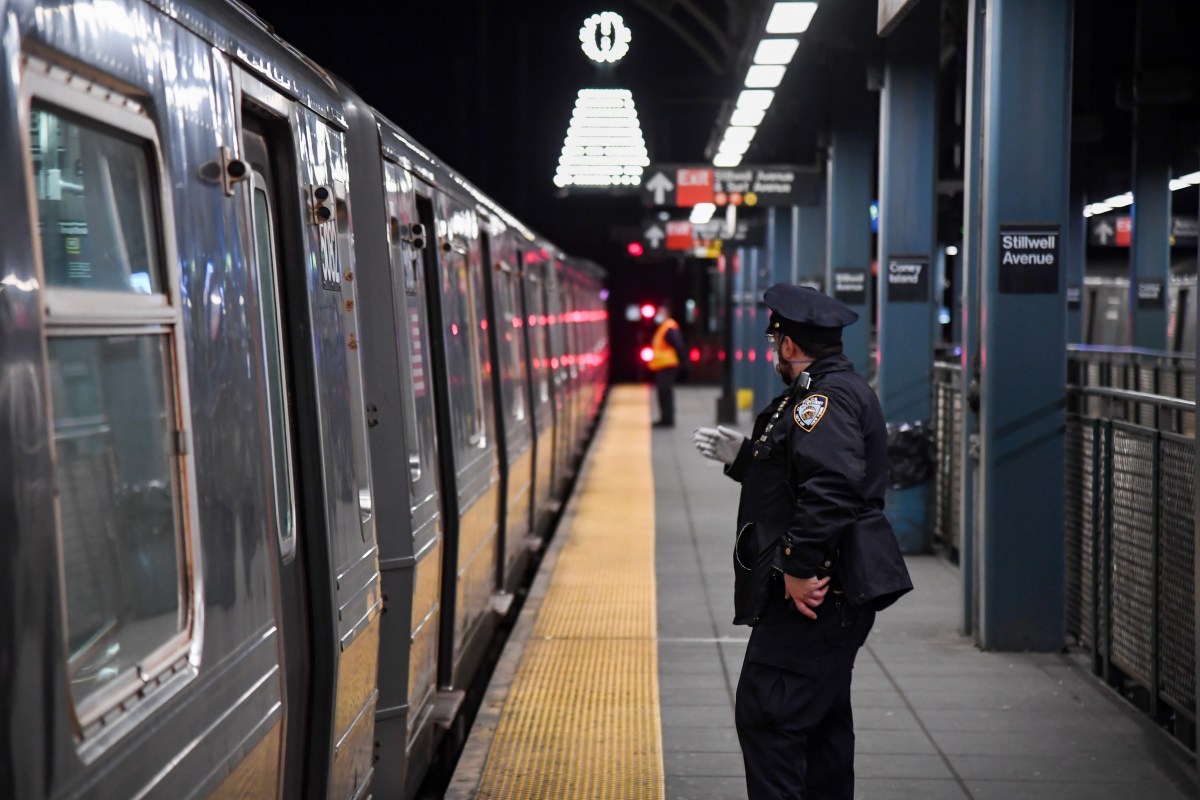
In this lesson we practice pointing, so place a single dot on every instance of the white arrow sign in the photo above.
(660, 184)
(1103, 231)
(654, 235)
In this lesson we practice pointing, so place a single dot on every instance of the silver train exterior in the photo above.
(286, 406)
(1105, 307)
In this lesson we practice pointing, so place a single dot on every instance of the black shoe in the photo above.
(661, 424)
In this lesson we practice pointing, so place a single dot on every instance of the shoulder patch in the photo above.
(810, 410)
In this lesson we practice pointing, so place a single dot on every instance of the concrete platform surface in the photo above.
(935, 717)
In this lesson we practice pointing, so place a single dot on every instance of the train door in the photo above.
(467, 447)
(400, 380)
(541, 392)
(497, 385)
(262, 198)
(514, 446)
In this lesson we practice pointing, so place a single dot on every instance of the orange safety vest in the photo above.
(664, 356)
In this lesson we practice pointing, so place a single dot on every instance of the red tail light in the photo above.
(694, 355)
(647, 354)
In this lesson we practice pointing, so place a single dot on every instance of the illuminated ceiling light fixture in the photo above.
(737, 134)
(1119, 201)
(776, 51)
(702, 213)
(757, 99)
(750, 117)
(764, 76)
(604, 145)
(791, 17)
(604, 37)
(734, 148)
(1184, 181)
(1126, 199)
(727, 160)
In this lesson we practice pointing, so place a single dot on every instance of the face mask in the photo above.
(781, 364)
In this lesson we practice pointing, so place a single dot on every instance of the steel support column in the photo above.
(907, 170)
(1150, 255)
(968, 448)
(847, 205)
(1027, 106)
(1075, 256)
(808, 245)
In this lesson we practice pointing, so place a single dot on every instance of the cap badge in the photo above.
(810, 410)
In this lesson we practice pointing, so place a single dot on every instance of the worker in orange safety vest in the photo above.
(667, 347)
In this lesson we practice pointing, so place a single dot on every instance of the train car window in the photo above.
(411, 303)
(537, 339)
(1186, 320)
(266, 272)
(94, 206)
(460, 296)
(515, 381)
(118, 391)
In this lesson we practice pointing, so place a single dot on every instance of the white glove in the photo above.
(719, 443)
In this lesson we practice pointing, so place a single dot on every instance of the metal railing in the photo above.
(1130, 506)
(1130, 539)
(947, 430)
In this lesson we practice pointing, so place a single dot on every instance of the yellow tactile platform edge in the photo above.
(582, 718)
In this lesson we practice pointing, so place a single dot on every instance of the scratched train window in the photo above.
(95, 205)
(115, 395)
(115, 449)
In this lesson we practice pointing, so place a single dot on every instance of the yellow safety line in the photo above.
(582, 717)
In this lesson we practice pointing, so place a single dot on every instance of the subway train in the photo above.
(286, 408)
(1105, 306)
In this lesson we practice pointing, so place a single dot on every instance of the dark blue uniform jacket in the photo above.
(815, 475)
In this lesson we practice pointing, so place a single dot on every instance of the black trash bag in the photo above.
(910, 454)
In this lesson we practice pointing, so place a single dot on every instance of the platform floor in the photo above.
(935, 717)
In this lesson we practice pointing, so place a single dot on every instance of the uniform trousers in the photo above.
(665, 381)
(793, 714)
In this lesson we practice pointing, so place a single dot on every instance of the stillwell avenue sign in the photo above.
(767, 185)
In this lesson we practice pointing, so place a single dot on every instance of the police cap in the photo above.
(805, 314)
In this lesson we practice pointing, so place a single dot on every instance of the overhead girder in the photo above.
(717, 45)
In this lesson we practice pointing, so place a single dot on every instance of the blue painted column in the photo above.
(1027, 107)
(1150, 255)
(743, 306)
(969, 257)
(907, 204)
(847, 205)
(775, 268)
(808, 245)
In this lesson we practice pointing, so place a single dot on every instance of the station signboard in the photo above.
(850, 286)
(908, 279)
(686, 185)
(656, 234)
(1109, 231)
(1029, 258)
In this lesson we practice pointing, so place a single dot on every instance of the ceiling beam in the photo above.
(719, 62)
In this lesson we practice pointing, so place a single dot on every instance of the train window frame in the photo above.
(89, 313)
(257, 184)
(516, 381)
(476, 438)
(411, 306)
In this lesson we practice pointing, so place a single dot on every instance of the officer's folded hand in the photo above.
(806, 593)
(720, 443)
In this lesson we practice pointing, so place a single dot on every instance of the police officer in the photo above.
(814, 464)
